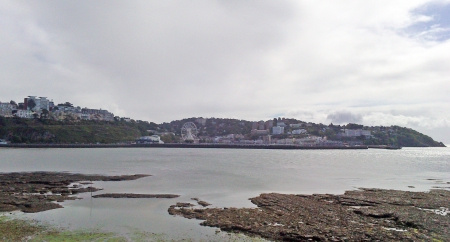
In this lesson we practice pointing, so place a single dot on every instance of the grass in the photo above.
(13, 230)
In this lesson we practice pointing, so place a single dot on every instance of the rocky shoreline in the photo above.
(32, 192)
(362, 215)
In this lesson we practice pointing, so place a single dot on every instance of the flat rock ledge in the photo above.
(362, 215)
(200, 202)
(32, 192)
(133, 195)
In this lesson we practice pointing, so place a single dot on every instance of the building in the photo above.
(278, 130)
(281, 124)
(44, 103)
(153, 139)
(356, 132)
(285, 141)
(201, 121)
(259, 132)
(295, 126)
(24, 113)
(309, 141)
(96, 114)
(40, 103)
(299, 131)
(6, 109)
(365, 132)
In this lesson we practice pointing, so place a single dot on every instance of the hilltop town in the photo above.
(41, 107)
(39, 120)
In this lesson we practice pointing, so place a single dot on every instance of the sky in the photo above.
(368, 62)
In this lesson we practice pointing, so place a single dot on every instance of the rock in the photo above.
(132, 195)
(26, 191)
(363, 215)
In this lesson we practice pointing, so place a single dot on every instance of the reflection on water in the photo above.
(223, 177)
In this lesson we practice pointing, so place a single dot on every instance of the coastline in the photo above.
(365, 214)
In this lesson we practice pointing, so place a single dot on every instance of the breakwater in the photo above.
(221, 146)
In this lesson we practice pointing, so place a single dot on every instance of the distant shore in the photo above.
(221, 146)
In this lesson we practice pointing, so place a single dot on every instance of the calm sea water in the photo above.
(223, 177)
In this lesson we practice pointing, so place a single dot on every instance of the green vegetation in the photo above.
(401, 136)
(19, 130)
(44, 130)
(12, 230)
(380, 135)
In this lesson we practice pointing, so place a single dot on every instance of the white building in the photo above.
(24, 114)
(281, 124)
(278, 130)
(311, 140)
(295, 126)
(6, 109)
(285, 141)
(98, 114)
(356, 132)
(299, 131)
(44, 103)
(154, 139)
(41, 103)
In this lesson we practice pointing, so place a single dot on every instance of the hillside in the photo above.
(380, 135)
(17, 130)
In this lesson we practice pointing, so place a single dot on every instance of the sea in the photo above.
(222, 177)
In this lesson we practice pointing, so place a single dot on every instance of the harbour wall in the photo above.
(220, 146)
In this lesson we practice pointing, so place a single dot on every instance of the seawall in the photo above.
(220, 146)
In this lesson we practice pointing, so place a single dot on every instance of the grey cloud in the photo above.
(343, 117)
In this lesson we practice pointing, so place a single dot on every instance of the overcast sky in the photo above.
(377, 62)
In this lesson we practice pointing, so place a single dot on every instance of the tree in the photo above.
(354, 126)
(44, 113)
(16, 139)
(31, 104)
(13, 103)
(66, 104)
